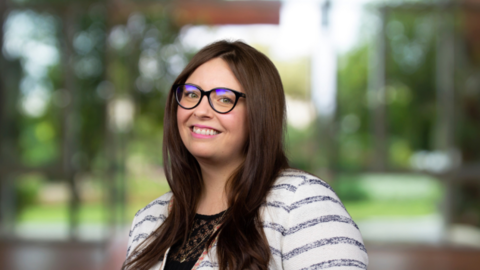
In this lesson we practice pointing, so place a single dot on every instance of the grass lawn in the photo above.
(393, 200)
(141, 193)
(95, 213)
(367, 209)
(58, 213)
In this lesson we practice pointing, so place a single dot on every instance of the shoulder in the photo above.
(148, 219)
(159, 205)
(300, 178)
(297, 195)
(307, 225)
(293, 183)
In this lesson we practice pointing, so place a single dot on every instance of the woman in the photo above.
(234, 202)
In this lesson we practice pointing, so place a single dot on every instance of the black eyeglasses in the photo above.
(221, 99)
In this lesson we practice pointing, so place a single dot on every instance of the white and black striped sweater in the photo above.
(306, 225)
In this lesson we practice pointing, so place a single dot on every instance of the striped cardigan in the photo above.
(306, 225)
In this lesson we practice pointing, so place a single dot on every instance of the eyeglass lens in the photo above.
(221, 100)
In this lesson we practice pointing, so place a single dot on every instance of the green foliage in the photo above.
(301, 148)
(352, 120)
(154, 45)
(388, 195)
(350, 189)
(387, 187)
(410, 94)
(38, 141)
(32, 138)
(92, 70)
(27, 189)
(411, 90)
(99, 72)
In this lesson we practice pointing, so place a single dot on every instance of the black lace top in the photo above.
(203, 227)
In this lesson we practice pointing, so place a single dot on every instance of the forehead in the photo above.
(214, 73)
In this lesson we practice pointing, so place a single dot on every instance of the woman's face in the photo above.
(229, 130)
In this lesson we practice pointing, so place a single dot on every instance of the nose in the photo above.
(203, 110)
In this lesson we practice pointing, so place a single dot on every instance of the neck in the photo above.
(214, 197)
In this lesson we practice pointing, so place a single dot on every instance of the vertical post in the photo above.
(115, 144)
(122, 196)
(445, 85)
(7, 206)
(2, 68)
(109, 180)
(377, 96)
(2, 80)
(3, 188)
(69, 119)
(445, 82)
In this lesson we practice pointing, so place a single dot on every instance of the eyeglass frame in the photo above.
(238, 95)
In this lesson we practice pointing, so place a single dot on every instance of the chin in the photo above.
(202, 154)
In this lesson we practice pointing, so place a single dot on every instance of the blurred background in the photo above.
(383, 104)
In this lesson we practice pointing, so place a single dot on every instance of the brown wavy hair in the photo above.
(241, 243)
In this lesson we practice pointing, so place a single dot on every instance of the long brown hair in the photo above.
(241, 241)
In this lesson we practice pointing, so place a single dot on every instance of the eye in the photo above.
(224, 96)
(191, 95)
(225, 100)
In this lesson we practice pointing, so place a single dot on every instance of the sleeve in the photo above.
(320, 233)
(131, 236)
(147, 220)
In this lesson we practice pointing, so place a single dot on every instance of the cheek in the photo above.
(182, 116)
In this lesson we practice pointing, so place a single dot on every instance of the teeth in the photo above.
(204, 131)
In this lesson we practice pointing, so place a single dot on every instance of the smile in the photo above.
(204, 131)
